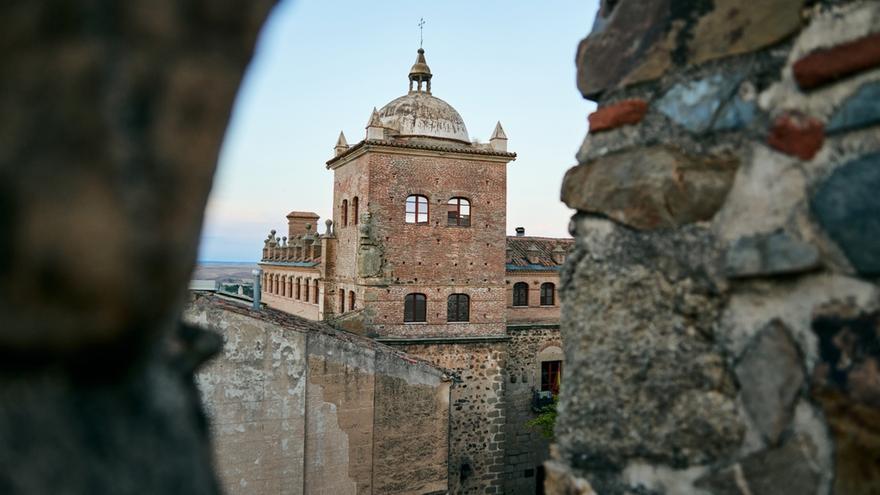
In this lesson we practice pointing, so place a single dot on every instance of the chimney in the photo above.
(375, 131)
(297, 221)
(520, 231)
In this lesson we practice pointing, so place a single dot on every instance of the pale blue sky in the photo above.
(321, 67)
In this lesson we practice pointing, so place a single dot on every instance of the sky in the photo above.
(321, 66)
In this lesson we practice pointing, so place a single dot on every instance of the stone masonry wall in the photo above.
(526, 449)
(477, 413)
(721, 313)
(296, 407)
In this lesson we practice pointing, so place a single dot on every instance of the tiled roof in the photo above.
(535, 253)
(421, 146)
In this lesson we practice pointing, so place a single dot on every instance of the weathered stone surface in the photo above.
(859, 110)
(617, 114)
(113, 115)
(652, 188)
(623, 33)
(634, 41)
(796, 134)
(732, 27)
(708, 103)
(643, 378)
(560, 481)
(827, 65)
(846, 383)
(113, 119)
(770, 254)
(770, 374)
(787, 470)
(847, 206)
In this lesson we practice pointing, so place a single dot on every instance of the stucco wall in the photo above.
(294, 408)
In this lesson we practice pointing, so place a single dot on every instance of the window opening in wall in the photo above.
(458, 307)
(299, 288)
(316, 292)
(307, 291)
(416, 209)
(458, 212)
(520, 294)
(415, 308)
(344, 212)
(351, 300)
(341, 301)
(551, 376)
(355, 204)
(548, 294)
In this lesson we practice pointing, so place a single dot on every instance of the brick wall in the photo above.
(534, 312)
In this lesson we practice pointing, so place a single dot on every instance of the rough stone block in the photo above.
(770, 254)
(788, 470)
(634, 41)
(798, 135)
(847, 206)
(771, 373)
(861, 109)
(617, 114)
(827, 65)
(708, 103)
(651, 188)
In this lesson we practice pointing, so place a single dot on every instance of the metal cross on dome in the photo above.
(421, 26)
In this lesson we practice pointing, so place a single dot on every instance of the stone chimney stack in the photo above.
(534, 254)
(498, 141)
(559, 253)
(520, 231)
(297, 222)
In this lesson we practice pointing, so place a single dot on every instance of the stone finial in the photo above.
(341, 144)
(498, 141)
(329, 224)
(374, 126)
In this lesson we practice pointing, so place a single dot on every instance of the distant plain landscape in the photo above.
(223, 270)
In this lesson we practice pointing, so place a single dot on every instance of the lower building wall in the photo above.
(296, 407)
(306, 310)
(477, 416)
(526, 447)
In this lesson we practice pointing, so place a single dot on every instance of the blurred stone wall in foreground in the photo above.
(111, 119)
(721, 316)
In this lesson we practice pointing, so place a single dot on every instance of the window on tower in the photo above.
(520, 294)
(458, 212)
(351, 305)
(415, 308)
(416, 209)
(458, 307)
(354, 209)
(344, 212)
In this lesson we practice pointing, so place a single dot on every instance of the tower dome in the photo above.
(420, 114)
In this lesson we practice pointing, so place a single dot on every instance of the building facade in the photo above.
(416, 256)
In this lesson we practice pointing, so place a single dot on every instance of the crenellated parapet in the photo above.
(304, 248)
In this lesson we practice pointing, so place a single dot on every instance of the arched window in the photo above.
(415, 308)
(458, 307)
(548, 294)
(341, 301)
(354, 209)
(344, 212)
(284, 286)
(274, 284)
(458, 212)
(306, 297)
(351, 300)
(520, 294)
(416, 209)
(299, 287)
(316, 292)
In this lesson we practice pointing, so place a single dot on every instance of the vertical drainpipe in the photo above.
(257, 288)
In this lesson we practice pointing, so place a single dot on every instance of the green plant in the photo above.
(545, 421)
